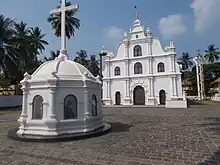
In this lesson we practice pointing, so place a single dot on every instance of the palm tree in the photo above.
(8, 52)
(81, 58)
(93, 65)
(37, 39)
(185, 60)
(72, 23)
(212, 54)
(53, 55)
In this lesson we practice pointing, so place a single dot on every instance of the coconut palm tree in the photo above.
(53, 55)
(82, 58)
(93, 65)
(8, 52)
(212, 54)
(185, 60)
(72, 23)
(37, 39)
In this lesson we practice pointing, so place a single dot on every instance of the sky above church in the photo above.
(191, 24)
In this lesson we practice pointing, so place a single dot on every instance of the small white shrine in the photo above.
(61, 97)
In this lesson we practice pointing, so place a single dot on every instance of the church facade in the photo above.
(142, 72)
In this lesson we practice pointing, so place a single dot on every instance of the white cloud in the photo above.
(206, 14)
(172, 26)
(114, 33)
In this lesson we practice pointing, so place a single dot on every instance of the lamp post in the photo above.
(101, 54)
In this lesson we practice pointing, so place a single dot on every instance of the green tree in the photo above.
(53, 55)
(38, 39)
(212, 54)
(93, 65)
(8, 51)
(186, 61)
(72, 23)
(81, 58)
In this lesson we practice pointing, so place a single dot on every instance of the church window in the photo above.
(70, 107)
(94, 105)
(37, 108)
(138, 68)
(137, 51)
(117, 71)
(160, 67)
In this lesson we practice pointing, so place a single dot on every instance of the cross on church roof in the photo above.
(136, 12)
(63, 8)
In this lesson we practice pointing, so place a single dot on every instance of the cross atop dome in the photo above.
(136, 12)
(63, 8)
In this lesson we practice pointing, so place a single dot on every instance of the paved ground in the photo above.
(140, 136)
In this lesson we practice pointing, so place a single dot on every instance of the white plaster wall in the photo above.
(117, 85)
(165, 60)
(120, 52)
(133, 44)
(162, 83)
(121, 65)
(44, 93)
(61, 93)
(144, 63)
(156, 47)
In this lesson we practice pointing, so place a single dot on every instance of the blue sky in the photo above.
(191, 24)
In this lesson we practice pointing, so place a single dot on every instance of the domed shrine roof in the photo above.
(64, 69)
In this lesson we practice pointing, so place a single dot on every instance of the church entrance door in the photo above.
(118, 98)
(162, 96)
(139, 96)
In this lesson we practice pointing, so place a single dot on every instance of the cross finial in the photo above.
(136, 12)
(63, 8)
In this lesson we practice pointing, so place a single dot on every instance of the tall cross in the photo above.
(63, 8)
(136, 12)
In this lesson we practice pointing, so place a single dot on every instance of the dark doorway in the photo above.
(162, 96)
(118, 98)
(139, 96)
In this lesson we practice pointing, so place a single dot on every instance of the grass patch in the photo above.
(9, 111)
(214, 103)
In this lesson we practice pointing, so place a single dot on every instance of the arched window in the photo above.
(137, 51)
(138, 68)
(37, 108)
(160, 67)
(70, 107)
(117, 71)
(94, 105)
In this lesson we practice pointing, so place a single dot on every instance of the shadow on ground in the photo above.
(212, 125)
(119, 127)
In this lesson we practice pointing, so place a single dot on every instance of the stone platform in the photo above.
(67, 137)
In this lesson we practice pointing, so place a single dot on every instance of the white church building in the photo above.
(142, 72)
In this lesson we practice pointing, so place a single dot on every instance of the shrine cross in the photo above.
(63, 8)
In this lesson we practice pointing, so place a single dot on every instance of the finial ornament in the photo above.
(136, 12)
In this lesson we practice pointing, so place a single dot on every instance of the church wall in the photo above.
(144, 63)
(117, 86)
(162, 83)
(143, 46)
(156, 47)
(120, 52)
(121, 65)
(62, 93)
(179, 86)
(163, 59)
